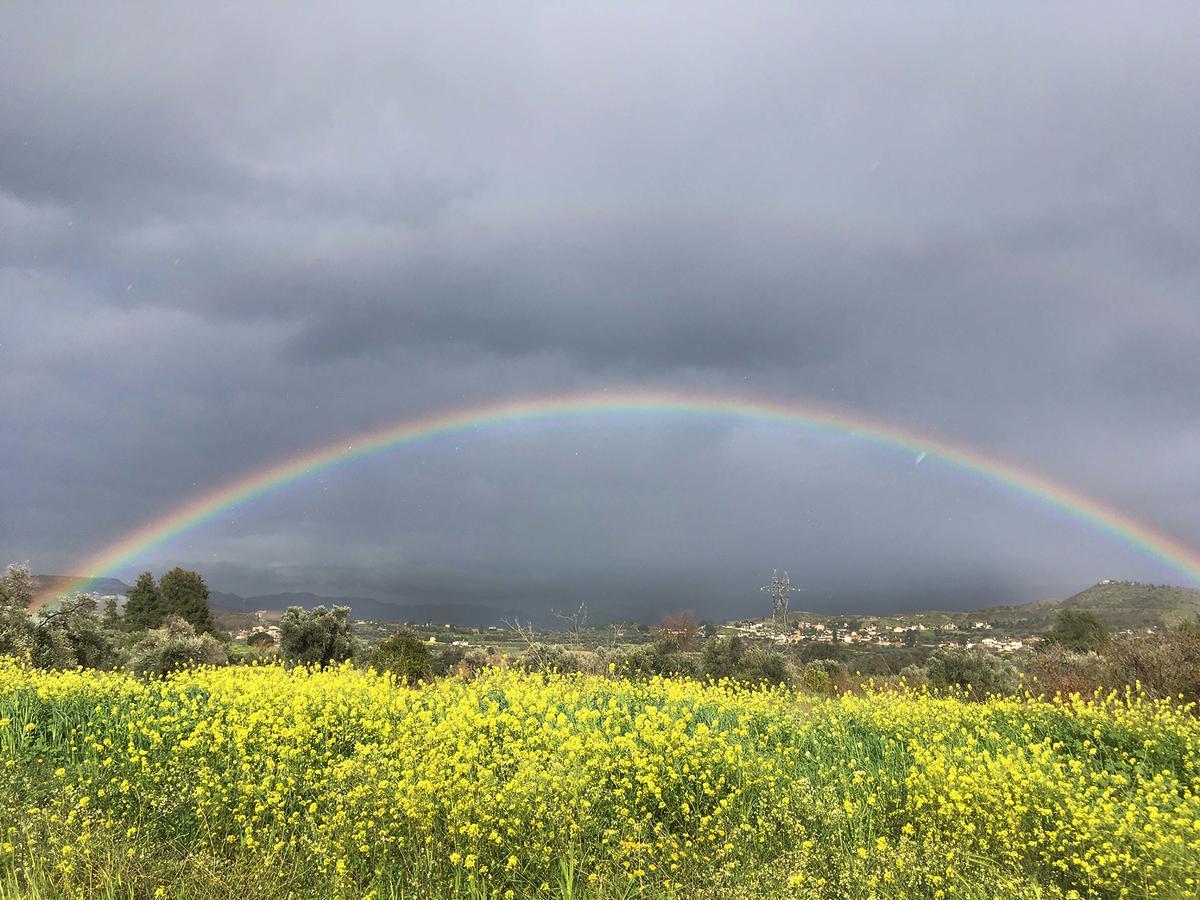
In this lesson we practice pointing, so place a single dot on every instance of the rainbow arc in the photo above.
(200, 509)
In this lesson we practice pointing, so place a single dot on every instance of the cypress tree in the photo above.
(185, 594)
(144, 606)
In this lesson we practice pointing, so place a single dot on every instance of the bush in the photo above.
(71, 635)
(813, 651)
(1166, 664)
(1079, 631)
(823, 676)
(722, 656)
(16, 593)
(405, 655)
(977, 672)
(473, 662)
(176, 646)
(590, 662)
(660, 658)
(760, 665)
(731, 657)
(446, 660)
(539, 657)
(1056, 669)
(320, 637)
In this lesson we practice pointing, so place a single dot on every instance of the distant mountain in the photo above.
(470, 614)
(307, 599)
(1120, 605)
(235, 606)
(50, 586)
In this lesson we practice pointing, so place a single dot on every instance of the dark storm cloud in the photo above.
(230, 233)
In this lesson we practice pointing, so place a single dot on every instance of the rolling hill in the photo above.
(236, 610)
(1120, 605)
(367, 608)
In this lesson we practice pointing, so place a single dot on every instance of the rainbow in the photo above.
(206, 506)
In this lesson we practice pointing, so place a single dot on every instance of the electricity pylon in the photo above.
(780, 588)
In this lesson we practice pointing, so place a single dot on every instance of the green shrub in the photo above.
(659, 658)
(823, 676)
(1057, 670)
(320, 637)
(977, 672)
(539, 657)
(1166, 664)
(722, 656)
(1078, 630)
(71, 635)
(176, 646)
(260, 640)
(762, 665)
(405, 655)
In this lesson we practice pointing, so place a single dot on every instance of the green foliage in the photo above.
(822, 676)
(474, 661)
(405, 655)
(730, 657)
(16, 586)
(763, 666)
(540, 657)
(446, 660)
(260, 639)
(659, 658)
(16, 593)
(67, 635)
(1057, 670)
(819, 650)
(184, 594)
(1078, 630)
(174, 646)
(144, 606)
(975, 671)
(721, 656)
(1165, 664)
(317, 638)
(71, 635)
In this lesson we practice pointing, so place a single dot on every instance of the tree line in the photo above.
(167, 624)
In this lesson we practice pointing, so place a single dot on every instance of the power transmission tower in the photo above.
(780, 588)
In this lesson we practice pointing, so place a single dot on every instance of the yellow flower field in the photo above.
(268, 782)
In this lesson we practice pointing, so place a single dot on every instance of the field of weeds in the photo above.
(263, 782)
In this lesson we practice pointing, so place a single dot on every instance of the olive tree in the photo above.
(316, 638)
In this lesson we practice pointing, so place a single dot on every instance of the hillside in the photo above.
(1137, 603)
(1120, 605)
(235, 611)
(47, 587)
(473, 614)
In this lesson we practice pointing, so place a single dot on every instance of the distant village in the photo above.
(850, 633)
(882, 635)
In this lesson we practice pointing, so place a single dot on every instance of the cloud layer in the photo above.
(230, 234)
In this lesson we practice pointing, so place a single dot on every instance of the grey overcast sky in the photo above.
(229, 232)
